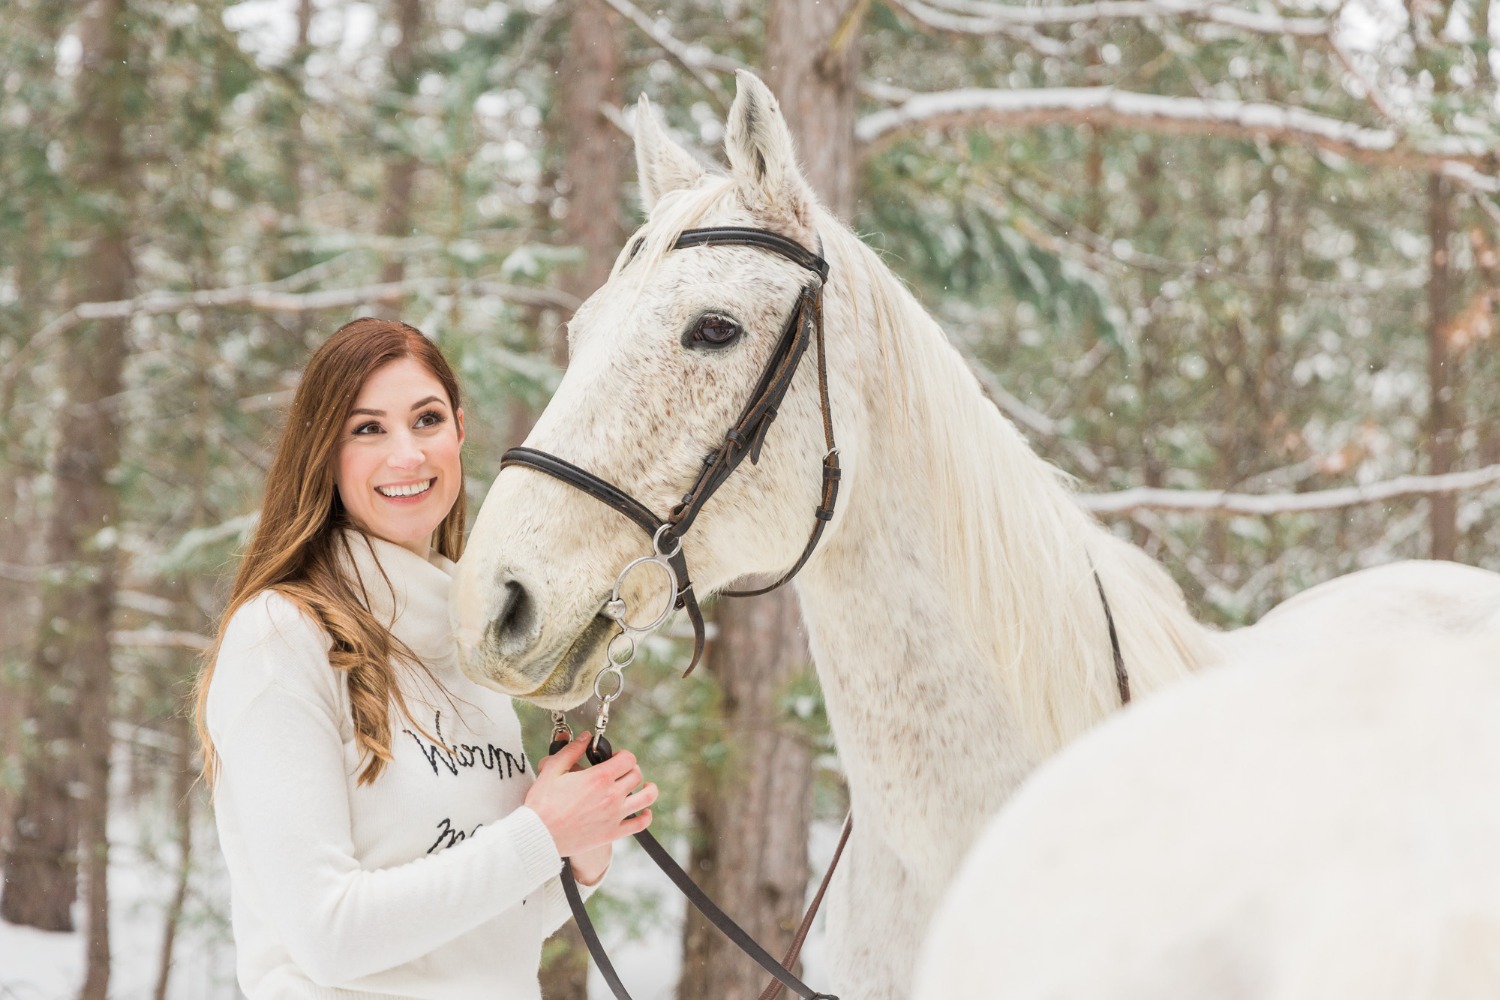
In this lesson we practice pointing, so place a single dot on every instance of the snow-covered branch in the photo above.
(261, 298)
(1219, 502)
(264, 300)
(1466, 159)
(1004, 19)
(957, 24)
(981, 17)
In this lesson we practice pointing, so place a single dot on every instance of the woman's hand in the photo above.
(590, 866)
(588, 809)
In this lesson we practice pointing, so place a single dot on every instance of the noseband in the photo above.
(743, 439)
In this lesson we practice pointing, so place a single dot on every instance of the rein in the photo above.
(744, 439)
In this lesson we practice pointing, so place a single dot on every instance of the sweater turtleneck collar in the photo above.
(413, 604)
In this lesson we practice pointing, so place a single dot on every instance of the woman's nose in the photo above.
(406, 453)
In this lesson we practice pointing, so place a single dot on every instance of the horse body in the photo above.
(952, 606)
(1311, 820)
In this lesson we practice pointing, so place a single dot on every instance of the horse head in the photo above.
(663, 359)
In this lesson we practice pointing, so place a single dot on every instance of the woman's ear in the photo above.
(458, 418)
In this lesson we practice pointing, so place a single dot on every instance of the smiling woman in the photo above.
(384, 832)
(398, 469)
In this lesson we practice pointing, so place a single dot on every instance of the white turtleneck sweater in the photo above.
(434, 881)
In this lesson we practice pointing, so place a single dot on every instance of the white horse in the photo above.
(1315, 826)
(952, 608)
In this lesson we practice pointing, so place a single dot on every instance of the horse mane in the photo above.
(1018, 547)
(1055, 657)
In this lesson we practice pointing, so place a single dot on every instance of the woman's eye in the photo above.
(430, 419)
(370, 427)
(714, 331)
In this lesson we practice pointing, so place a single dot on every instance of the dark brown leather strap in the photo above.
(617, 499)
(1122, 679)
(774, 987)
(761, 238)
(780, 974)
(831, 472)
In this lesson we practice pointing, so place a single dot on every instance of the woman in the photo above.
(384, 832)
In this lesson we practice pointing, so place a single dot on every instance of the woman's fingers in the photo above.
(639, 800)
(618, 765)
(635, 824)
(568, 756)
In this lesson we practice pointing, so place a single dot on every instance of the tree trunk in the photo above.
(71, 671)
(182, 798)
(812, 55)
(593, 164)
(1153, 350)
(595, 156)
(752, 852)
(21, 467)
(401, 167)
(1442, 405)
(751, 814)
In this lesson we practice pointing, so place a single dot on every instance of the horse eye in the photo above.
(713, 331)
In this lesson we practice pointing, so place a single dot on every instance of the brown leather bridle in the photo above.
(744, 438)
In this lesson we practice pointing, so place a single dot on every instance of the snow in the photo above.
(43, 965)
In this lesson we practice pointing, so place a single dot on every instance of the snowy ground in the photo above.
(38, 965)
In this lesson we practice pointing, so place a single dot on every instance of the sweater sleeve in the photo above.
(283, 776)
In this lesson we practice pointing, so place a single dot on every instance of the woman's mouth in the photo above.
(406, 491)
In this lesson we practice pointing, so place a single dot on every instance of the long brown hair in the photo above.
(294, 549)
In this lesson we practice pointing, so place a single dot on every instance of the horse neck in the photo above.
(951, 517)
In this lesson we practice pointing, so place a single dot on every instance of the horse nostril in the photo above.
(514, 628)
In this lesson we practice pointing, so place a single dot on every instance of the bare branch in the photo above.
(159, 638)
(20, 573)
(680, 53)
(1465, 159)
(1219, 502)
(1033, 420)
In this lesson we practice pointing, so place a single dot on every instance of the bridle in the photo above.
(743, 439)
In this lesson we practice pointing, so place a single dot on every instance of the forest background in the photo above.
(1232, 266)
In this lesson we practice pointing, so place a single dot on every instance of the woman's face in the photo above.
(398, 469)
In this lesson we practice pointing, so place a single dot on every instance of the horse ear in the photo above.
(661, 165)
(761, 154)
